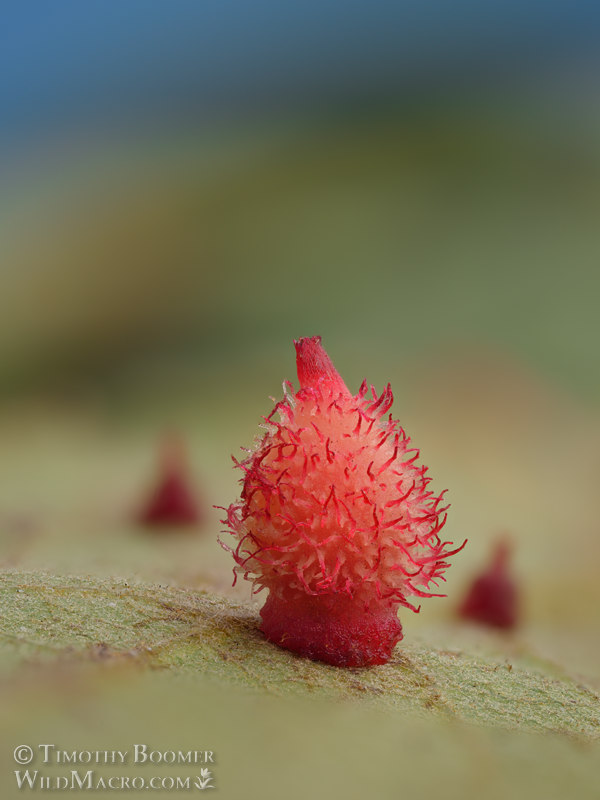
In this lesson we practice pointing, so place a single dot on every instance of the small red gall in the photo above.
(172, 502)
(336, 519)
(493, 597)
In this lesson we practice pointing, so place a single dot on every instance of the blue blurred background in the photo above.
(422, 174)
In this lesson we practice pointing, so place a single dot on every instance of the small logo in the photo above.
(203, 781)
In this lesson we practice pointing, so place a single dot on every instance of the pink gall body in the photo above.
(336, 519)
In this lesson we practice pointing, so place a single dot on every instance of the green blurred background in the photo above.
(186, 190)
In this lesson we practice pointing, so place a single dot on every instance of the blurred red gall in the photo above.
(172, 502)
(493, 598)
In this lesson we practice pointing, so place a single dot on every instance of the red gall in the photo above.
(336, 519)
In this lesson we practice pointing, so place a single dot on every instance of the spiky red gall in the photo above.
(493, 597)
(336, 519)
(172, 502)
